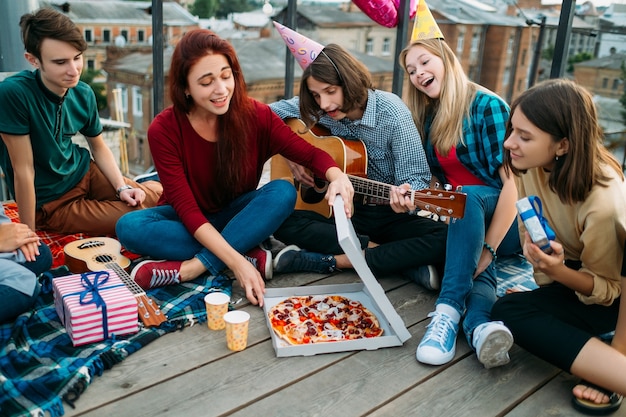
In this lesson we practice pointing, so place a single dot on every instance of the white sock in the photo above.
(449, 310)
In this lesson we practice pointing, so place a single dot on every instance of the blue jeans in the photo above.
(473, 298)
(248, 220)
(15, 302)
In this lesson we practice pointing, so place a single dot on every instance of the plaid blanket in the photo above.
(514, 273)
(39, 366)
(55, 241)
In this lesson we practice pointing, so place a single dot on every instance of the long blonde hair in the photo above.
(453, 105)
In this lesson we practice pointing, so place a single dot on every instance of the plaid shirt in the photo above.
(394, 146)
(483, 136)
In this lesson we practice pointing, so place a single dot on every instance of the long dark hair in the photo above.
(235, 125)
(335, 66)
(564, 109)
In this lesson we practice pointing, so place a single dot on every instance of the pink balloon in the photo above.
(383, 12)
(411, 7)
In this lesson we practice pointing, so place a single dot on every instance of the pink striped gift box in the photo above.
(95, 306)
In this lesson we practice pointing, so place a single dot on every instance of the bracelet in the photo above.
(122, 188)
(491, 250)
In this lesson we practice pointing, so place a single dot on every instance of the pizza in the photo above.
(309, 319)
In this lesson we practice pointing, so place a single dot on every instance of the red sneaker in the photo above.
(262, 261)
(151, 274)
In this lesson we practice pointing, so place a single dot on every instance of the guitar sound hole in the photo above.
(104, 258)
(313, 195)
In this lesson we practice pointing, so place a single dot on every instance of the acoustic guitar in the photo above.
(351, 157)
(100, 253)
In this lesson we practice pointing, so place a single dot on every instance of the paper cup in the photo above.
(216, 306)
(237, 329)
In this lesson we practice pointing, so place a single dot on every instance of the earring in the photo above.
(556, 158)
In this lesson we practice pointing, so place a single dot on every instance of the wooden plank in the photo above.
(177, 353)
(234, 380)
(355, 385)
(553, 400)
(468, 389)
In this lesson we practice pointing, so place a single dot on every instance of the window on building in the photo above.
(475, 41)
(510, 44)
(88, 35)
(460, 43)
(124, 34)
(605, 83)
(524, 53)
(137, 102)
(387, 46)
(91, 64)
(123, 97)
(506, 76)
(141, 36)
(616, 82)
(106, 36)
(369, 46)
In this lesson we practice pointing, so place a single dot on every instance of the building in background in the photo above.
(122, 23)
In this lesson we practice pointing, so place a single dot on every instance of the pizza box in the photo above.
(369, 292)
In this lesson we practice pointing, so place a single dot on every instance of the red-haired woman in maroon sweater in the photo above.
(209, 148)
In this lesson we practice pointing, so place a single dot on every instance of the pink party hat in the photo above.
(302, 48)
(425, 26)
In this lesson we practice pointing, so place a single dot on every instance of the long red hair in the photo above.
(235, 125)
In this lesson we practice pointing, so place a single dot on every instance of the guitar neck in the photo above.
(441, 202)
(123, 275)
(370, 188)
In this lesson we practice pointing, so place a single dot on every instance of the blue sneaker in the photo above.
(294, 259)
(150, 176)
(439, 343)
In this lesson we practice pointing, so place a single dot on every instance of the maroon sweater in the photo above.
(185, 161)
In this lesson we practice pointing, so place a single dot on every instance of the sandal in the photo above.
(594, 409)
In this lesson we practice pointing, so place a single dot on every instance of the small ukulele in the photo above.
(351, 157)
(97, 254)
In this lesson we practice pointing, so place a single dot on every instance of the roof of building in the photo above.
(261, 59)
(126, 12)
(613, 61)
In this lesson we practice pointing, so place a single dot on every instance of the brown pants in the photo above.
(90, 207)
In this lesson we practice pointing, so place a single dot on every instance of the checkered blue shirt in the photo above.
(483, 137)
(394, 146)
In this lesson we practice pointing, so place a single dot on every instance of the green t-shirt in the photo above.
(28, 107)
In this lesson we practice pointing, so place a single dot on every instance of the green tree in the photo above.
(548, 53)
(99, 89)
(579, 57)
(233, 6)
(204, 8)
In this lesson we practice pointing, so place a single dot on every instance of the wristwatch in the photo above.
(122, 188)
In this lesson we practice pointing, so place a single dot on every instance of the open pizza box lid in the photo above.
(369, 292)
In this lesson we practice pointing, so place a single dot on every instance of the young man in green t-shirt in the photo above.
(59, 186)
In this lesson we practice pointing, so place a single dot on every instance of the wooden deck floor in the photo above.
(192, 373)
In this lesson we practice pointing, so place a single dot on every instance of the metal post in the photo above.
(532, 79)
(404, 15)
(292, 23)
(563, 35)
(158, 73)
